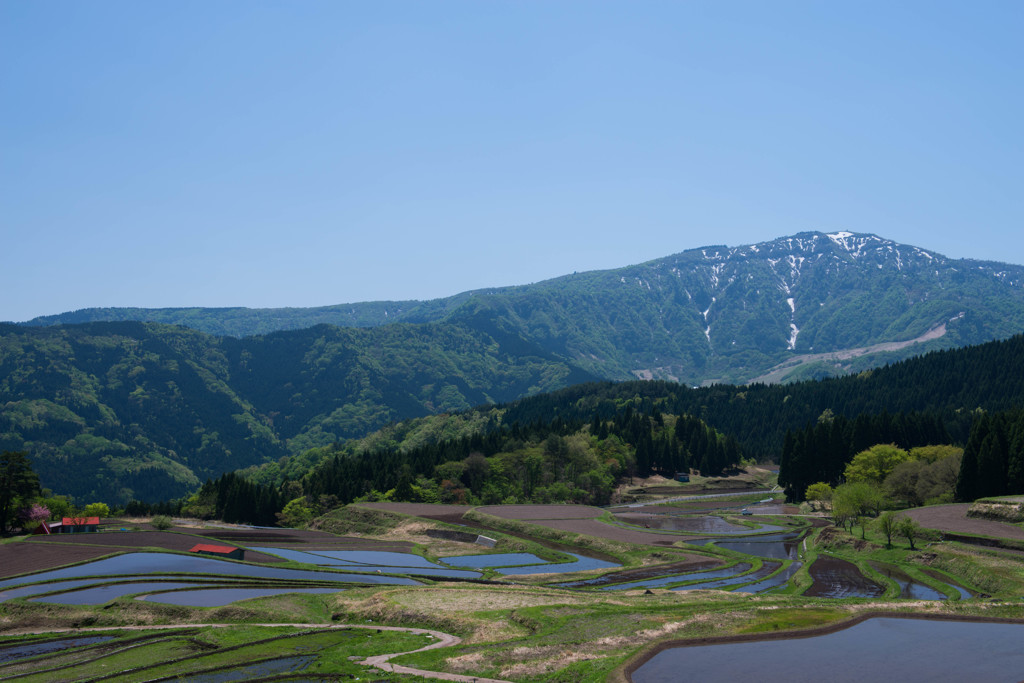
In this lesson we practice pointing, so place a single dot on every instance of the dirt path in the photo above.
(378, 661)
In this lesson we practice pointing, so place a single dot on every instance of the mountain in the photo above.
(128, 409)
(116, 411)
(810, 305)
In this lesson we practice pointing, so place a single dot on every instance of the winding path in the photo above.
(379, 661)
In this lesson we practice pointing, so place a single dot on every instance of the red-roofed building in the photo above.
(76, 525)
(218, 551)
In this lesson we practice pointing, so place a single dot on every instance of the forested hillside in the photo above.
(116, 411)
(816, 427)
(728, 314)
(549, 461)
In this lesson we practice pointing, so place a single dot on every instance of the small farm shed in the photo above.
(76, 525)
(219, 551)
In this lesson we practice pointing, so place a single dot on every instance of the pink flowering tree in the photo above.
(32, 515)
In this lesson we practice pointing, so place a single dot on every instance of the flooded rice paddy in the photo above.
(372, 561)
(727, 572)
(16, 652)
(909, 587)
(132, 564)
(580, 564)
(879, 649)
(495, 560)
(218, 597)
(256, 670)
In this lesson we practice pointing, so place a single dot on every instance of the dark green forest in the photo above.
(123, 411)
(993, 462)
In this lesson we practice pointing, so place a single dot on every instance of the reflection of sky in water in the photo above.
(909, 588)
(45, 588)
(881, 649)
(495, 560)
(678, 578)
(102, 594)
(218, 597)
(771, 582)
(160, 563)
(258, 670)
(398, 563)
(9, 654)
(964, 593)
(377, 557)
(765, 570)
(581, 564)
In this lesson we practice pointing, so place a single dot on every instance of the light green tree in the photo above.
(819, 491)
(296, 514)
(857, 500)
(887, 524)
(161, 522)
(909, 529)
(96, 510)
(874, 464)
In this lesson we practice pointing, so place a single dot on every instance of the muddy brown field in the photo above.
(20, 558)
(954, 518)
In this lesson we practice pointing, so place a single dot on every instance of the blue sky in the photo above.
(260, 154)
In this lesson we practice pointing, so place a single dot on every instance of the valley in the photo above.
(560, 593)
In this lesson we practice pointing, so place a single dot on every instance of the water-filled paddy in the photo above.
(778, 547)
(881, 649)
(494, 560)
(766, 569)
(101, 594)
(964, 592)
(25, 591)
(166, 563)
(10, 654)
(909, 588)
(773, 581)
(679, 578)
(579, 565)
(218, 597)
(253, 671)
(389, 563)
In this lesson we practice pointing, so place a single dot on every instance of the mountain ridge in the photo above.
(714, 313)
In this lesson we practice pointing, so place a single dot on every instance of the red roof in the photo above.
(206, 548)
(79, 521)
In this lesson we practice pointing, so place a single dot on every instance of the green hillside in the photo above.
(810, 305)
(116, 411)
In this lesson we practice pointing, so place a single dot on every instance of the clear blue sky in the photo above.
(301, 153)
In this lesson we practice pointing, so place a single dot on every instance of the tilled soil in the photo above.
(954, 518)
(592, 527)
(19, 558)
(536, 512)
(301, 539)
(132, 540)
(452, 514)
